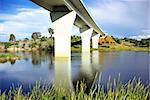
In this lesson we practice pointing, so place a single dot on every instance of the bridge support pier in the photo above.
(62, 25)
(86, 37)
(95, 40)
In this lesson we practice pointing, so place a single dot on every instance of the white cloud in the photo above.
(139, 37)
(121, 16)
(114, 15)
(146, 31)
(25, 22)
(1, 27)
(143, 35)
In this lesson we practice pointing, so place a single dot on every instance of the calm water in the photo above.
(41, 66)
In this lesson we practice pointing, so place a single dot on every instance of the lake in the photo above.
(43, 67)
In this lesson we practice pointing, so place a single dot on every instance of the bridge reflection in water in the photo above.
(89, 71)
(62, 71)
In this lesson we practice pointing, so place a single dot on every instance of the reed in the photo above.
(133, 90)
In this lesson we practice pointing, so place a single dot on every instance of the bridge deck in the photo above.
(76, 5)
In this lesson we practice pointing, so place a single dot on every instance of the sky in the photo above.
(119, 18)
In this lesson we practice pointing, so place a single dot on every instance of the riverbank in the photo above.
(124, 48)
(133, 90)
(117, 48)
(47, 44)
(101, 49)
(8, 57)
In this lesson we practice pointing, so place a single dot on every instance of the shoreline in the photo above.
(134, 49)
(101, 49)
(8, 57)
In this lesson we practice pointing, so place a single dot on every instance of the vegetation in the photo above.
(36, 35)
(117, 40)
(75, 42)
(51, 31)
(8, 44)
(47, 43)
(43, 39)
(139, 43)
(133, 90)
(122, 48)
(75, 38)
(8, 57)
(127, 44)
(26, 39)
(12, 38)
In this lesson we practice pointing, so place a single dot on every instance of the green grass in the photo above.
(133, 90)
(7, 55)
(123, 48)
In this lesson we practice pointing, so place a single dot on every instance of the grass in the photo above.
(123, 48)
(133, 90)
(8, 57)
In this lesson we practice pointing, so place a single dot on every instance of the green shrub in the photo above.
(7, 55)
(8, 44)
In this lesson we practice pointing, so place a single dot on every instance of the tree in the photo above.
(51, 32)
(12, 38)
(36, 35)
(126, 39)
(117, 40)
(43, 38)
(7, 44)
(26, 39)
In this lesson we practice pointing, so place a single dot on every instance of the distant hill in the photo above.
(139, 43)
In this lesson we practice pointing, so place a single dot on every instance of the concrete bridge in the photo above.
(66, 13)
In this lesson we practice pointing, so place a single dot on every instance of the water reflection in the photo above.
(12, 62)
(86, 68)
(96, 60)
(39, 57)
(65, 72)
(25, 55)
(89, 72)
(36, 58)
(62, 71)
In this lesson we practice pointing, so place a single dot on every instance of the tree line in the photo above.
(139, 43)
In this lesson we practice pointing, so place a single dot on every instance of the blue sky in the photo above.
(120, 18)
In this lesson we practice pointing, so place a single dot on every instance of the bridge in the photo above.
(66, 13)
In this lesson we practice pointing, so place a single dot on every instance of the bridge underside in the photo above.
(64, 14)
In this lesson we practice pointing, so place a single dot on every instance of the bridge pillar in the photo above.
(86, 37)
(95, 40)
(62, 25)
